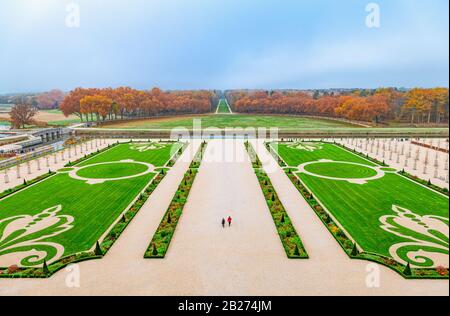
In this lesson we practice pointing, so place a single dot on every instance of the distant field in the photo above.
(5, 108)
(51, 117)
(56, 117)
(238, 120)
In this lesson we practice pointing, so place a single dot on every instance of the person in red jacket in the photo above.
(229, 221)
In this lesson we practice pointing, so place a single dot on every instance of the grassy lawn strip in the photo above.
(163, 236)
(347, 243)
(223, 107)
(367, 157)
(290, 240)
(26, 184)
(403, 172)
(224, 120)
(91, 155)
(424, 182)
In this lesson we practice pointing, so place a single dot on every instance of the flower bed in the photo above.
(163, 236)
(291, 241)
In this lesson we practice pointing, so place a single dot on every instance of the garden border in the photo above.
(162, 238)
(286, 231)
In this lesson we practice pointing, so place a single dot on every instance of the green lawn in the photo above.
(295, 155)
(236, 121)
(109, 171)
(337, 170)
(64, 122)
(223, 107)
(93, 208)
(417, 217)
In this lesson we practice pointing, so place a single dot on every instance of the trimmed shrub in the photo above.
(407, 270)
(45, 269)
(355, 250)
(98, 250)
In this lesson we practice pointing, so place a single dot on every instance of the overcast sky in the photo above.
(222, 44)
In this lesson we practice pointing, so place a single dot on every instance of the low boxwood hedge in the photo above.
(290, 240)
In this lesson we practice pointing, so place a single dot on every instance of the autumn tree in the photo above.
(22, 114)
(99, 105)
(50, 100)
(125, 102)
(71, 103)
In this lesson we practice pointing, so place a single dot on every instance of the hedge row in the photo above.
(351, 249)
(275, 156)
(163, 236)
(424, 182)
(174, 159)
(290, 240)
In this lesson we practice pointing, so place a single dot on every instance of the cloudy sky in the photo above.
(222, 44)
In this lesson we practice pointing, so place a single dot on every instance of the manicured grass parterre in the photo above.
(338, 170)
(112, 170)
(291, 241)
(392, 220)
(61, 217)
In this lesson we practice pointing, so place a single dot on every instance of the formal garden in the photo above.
(77, 212)
(373, 211)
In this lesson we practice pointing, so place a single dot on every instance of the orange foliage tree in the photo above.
(125, 102)
(419, 105)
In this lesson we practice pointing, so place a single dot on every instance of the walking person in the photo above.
(229, 221)
(223, 222)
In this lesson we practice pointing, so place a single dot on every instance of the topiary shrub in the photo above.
(407, 270)
(98, 250)
(296, 251)
(45, 269)
(355, 250)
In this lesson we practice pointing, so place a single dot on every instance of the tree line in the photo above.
(124, 102)
(415, 106)
(41, 101)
